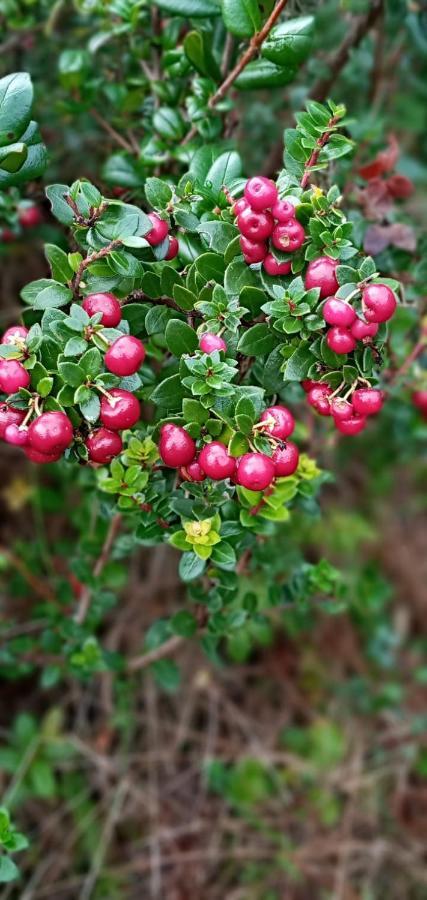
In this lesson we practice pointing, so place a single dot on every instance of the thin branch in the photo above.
(321, 142)
(101, 562)
(118, 138)
(166, 649)
(162, 301)
(40, 588)
(100, 254)
(416, 351)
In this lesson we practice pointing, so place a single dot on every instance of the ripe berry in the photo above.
(52, 432)
(239, 206)
(284, 422)
(286, 459)
(318, 398)
(158, 232)
(14, 333)
(419, 399)
(321, 273)
(9, 416)
(283, 211)
(125, 355)
(307, 384)
(7, 235)
(176, 447)
(253, 252)
(273, 267)
(367, 401)
(210, 342)
(123, 411)
(340, 340)
(173, 248)
(379, 303)
(13, 376)
(260, 192)
(361, 329)
(351, 426)
(216, 462)
(41, 458)
(337, 312)
(103, 445)
(15, 435)
(255, 471)
(30, 216)
(257, 226)
(341, 409)
(193, 472)
(107, 304)
(288, 237)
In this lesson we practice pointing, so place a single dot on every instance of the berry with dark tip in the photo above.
(361, 330)
(119, 410)
(283, 211)
(173, 248)
(340, 340)
(216, 462)
(192, 472)
(260, 192)
(210, 342)
(107, 304)
(257, 226)
(176, 447)
(289, 236)
(284, 422)
(273, 267)
(286, 459)
(52, 432)
(103, 445)
(337, 312)
(13, 376)
(254, 252)
(367, 401)
(9, 416)
(321, 273)
(14, 333)
(379, 303)
(351, 426)
(125, 355)
(255, 471)
(158, 232)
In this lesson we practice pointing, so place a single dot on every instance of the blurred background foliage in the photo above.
(296, 766)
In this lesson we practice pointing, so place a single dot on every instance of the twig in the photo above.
(166, 649)
(86, 595)
(100, 254)
(106, 836)
(321, 142)
(38, 586)
(416, 351)
(118, 138)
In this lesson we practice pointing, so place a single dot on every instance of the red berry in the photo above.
(286, 459)
(13, 376)
(193, 472)
(239, 206)
(273, 267)
(288, 237)
(367, 401)
(257, 226)
(361, 329)
(379, 303)
(308, 384)
(337, 312)
(351, 426)
(30, 216)
(419, 399)
(125, 355)
(255, 471)
(216, 462)
(7, 235)
(173, 248)
(122, 411)
(210, 342)
(15, 435)
(321, 274)
(260, 192)
(41, 458)
(341, 409)
(283, 211)
(158, 232)
(253, 252)
(284, 422)
(10, 416)
(14, 333)
(103, 445)
(107, 304)
(318, 398)
(176, 447)
(51, 433)
(340, 340)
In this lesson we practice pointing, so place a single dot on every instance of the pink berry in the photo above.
(361, 329)
(288, 237)
(253, 252)
(321, 274)
(41, 458)
(340, 340)
(284, 422)
(158, 232)
(13, 376)
(307, 384)
(210, 342)
(318, 398)
(239, 206)
(337, 312)
(193, 472)
(107, 304)
(257, 226)
(273, 267)
(121, 411)
(15, 435)
(9, 416)
(216, 462)
(379, 303)
(52, 432)
(176, 447)
(125, 355)
(173, 248)
(283, 211)
(103, 445)
(351, 426)
(14, 333)
(286, 459)
(419, 399)
(260, 192)
(7, 235)
(255, 471)
(30, 216)
(367, 401)
(341, 409)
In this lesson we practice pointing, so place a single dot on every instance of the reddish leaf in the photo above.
(378, 237)
(384, 161)
(400, 186)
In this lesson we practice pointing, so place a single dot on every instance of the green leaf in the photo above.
(264, 74)
(257, 341)
(190, 9)
(183, 623)
(46, 294)
(166, 674)
(157, 319)
(59, 264)
(224, 556)
(44, 386)
(184, 298)
(91, 362)
(180, 337)
(71, 373)
(16, 98)
(290, 42)
(297, 366)
(241, 17)
(169, 393)
(193, 411)
(219, 234)
(8, 870)
(158, 193)
(191, 566)
(168, 122)
(90, 407)
(13, 157)
(224, 170)
(60, 208)
(197, 48)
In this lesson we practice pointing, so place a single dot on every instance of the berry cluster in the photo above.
(44, 436)
(262, 216)
(255, 471)
(349, 412)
